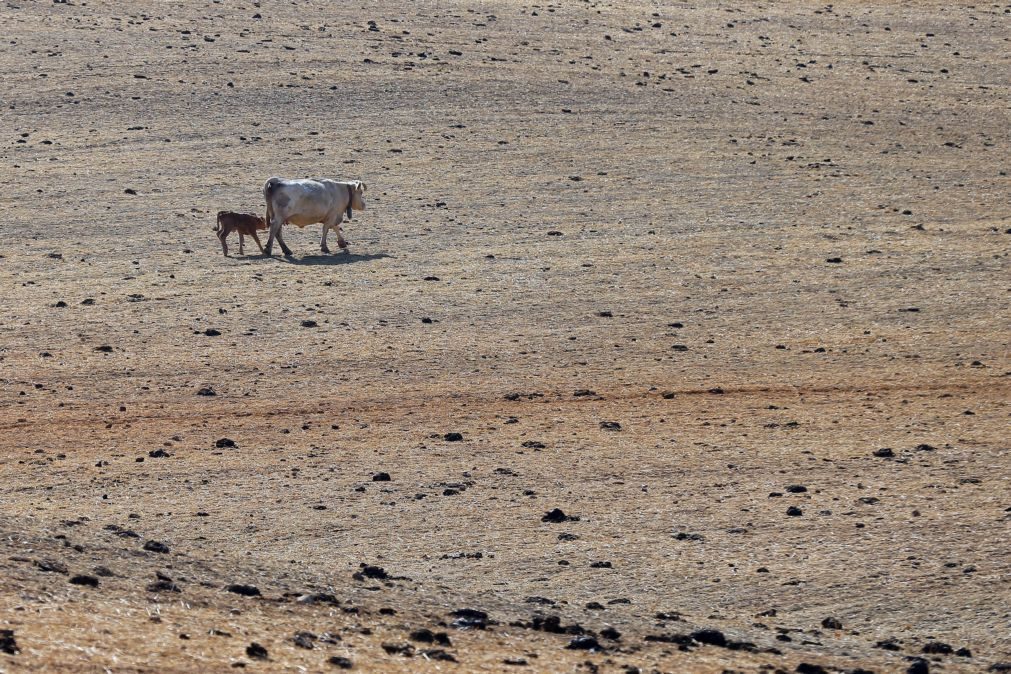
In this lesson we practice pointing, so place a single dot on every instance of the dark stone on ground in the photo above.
(86, 581)
(8, 644)
(163, 586)
(710, 637)
(406, 650)
(155, 546)
(808, 668)
(585, 642)
(51, 566)
(557, 516)
(438, 654)
(467, 618)
(340, 662)
(256, 651)
(427, 636)
(831, 624)
(937, 648)
(244, 590)
(610, 633)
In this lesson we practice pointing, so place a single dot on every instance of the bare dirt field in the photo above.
(673, 338)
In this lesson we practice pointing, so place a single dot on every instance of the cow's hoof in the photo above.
(325, 251)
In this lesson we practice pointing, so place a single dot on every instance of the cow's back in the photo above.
(302, 201)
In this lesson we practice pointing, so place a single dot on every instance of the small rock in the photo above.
(155, 546)
(610, 633)
(163, 586)
(884, 453)
(340, 662)
(256, 651)
(8, 644)
(467, 618)
(610, 425)
(794, 511)
(438, 654)
(51, 566)
(211, 332)
(918, 666)
(796, 488)
(427, 636)
(453, 437)
(709, 636)
(86, 581)
(381, 477)
(306, 640)
(601, 565)
(937, 648)
(831, 624)
(244, 590)
(309, 324)
(406, 650)
(158, 454)
(223, 443)
(808, 668)
(207, 391)
(585, 642)
(372, 572)
(556, 516)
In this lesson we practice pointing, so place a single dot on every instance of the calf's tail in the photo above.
(217, 225)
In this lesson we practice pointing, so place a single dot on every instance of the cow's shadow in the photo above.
(321, 259)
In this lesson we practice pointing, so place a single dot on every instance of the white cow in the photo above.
(304, 202)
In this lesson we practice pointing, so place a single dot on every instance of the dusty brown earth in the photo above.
(683, 272)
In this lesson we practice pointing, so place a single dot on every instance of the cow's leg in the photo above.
(322, 241)
(280, 240)
(257, 240)
(241, 252)
(222, 237)
(275, 231)
(341, 241)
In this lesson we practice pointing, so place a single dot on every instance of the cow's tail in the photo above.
(268, 193)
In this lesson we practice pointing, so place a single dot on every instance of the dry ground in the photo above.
(654, 264)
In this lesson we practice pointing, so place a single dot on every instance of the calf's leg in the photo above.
(241, 251)
(257, 240)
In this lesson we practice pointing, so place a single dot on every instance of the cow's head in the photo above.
(357, 195)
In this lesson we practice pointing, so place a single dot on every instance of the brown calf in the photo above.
(245, 224)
